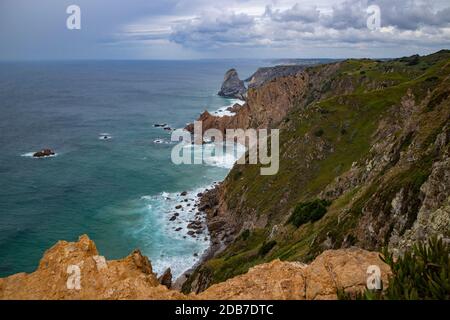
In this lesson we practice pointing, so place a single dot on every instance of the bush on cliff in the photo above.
(309, 212)
(422, 273)
(266, 247)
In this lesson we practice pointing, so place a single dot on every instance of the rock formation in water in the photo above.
(232, 86)
(44, 153)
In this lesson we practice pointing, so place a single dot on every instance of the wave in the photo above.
(223, 111)
(222, 155)
(104, 136)
(165, 225)
(30, 155)
(162, 141)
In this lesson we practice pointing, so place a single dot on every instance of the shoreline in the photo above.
(215, 245)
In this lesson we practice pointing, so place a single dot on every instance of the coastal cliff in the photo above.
(364, 161)
(364, 165)
(265, 105)
(75, 270)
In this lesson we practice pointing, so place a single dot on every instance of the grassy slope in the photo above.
(345, 125)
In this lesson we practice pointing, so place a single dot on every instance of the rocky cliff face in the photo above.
(264, 75)
(232, 86)
(369, 137)
(266, 104)
(77, 271)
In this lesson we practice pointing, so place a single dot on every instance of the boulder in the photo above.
(44, 153)
(166, 278)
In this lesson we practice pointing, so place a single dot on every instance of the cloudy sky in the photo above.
(194, 29)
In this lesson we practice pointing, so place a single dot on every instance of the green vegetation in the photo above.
(422, 273)
(334, 126)
(309, 212)
(319, 132)
(266, 247)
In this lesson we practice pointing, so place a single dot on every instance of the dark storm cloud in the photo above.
(215, 28)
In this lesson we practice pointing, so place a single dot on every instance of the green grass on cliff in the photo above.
(310, 161)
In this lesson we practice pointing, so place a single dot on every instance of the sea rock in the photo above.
(195, 225)
(183, 194)
(173, 218)
(166, 278)
(44, 153)
(232, 86)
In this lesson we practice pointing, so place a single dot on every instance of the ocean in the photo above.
(121, 191)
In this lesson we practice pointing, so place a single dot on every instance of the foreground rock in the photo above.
(44, 153)
(320, 280)
(166, 278)
(75, 270)
(58, 271)
(232, 86)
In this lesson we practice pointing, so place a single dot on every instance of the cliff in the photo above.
(364, 164)
(266, 104)
(364, 161)
(77, 271)
(264, 75)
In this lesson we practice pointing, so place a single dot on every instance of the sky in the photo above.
(216, 29)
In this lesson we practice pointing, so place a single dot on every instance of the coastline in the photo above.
(215, 245)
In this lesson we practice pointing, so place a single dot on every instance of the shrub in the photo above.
(309, 212)
(319, 133)
(245, 234)
(422, 273)
(266, 247)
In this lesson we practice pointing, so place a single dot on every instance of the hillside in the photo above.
(364, 161)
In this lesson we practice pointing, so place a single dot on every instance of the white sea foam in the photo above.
(30, 155)
(178, 252)
(162, 141)
(177, 249)
(211, 155)
(222, 111)
(104, 136)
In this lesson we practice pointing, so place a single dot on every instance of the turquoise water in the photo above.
(122, 191)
